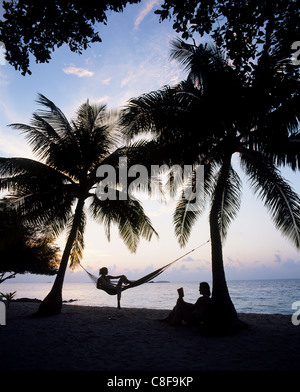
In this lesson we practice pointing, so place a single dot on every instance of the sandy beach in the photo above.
(108, 339)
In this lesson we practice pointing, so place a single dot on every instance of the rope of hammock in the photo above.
(144, 279)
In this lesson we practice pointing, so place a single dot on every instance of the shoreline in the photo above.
(87, 338)
(163, 296)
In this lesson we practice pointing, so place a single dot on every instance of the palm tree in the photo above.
(207, 119)
(53, 192)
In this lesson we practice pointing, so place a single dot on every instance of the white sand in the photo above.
(108, 339)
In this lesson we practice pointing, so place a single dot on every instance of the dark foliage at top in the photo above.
(38, 27)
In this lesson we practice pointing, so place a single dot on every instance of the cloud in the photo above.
(151, 73)
(234, 263)
(127, 80)
(277, 258)
(14, 146)
(189, 259)
(144, 12)
(100, 100)
(80, 72)
(106, 81)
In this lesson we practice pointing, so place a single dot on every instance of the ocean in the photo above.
(248, 296)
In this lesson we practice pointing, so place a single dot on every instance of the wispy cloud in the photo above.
(12, 145)
(144, 12)
(80, 72)
(106, 81)
(99, 100)
(125, 81)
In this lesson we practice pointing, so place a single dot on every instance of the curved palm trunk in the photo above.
(220, 293)
(52, 303)
(223, 307)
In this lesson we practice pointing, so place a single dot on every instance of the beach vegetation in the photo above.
(215, 116)
(8, 297)
(56, 190)
(24, 248)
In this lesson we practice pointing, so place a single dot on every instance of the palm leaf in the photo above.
(42, 195)
(52, 138)
(129, 217)
(31, 169)
(55, 117)
(202, 62)
(41, 136)
(157, 112)
(286, 153)
(231, 199)
(184, 219)
(187, 211)
(277, 132)
(281, 201)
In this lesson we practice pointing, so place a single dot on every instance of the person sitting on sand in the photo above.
(188, 313)
(104, 281)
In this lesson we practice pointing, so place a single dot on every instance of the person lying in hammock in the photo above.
(188, 313)
(105, 283)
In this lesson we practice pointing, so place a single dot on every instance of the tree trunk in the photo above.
(224, 311)
(220, 293)
(52, 304)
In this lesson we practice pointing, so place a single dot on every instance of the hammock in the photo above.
(142, 280)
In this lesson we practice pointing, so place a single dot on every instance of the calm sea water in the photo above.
(248, 296)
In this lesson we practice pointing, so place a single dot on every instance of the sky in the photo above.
(132, 59)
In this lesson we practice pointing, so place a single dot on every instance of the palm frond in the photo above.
(96, 133)
(183, 52)
(138, 163)
(281, 201)
(128, 215)
(54, 116)
(52, 137)
(155, 113)
(41, 136)
(92, 116)
(286, 152)
(42, 195)
(189, 209)
(199, 61)
(184, 219)
(28, 174)
(277, 121)
(231, 200)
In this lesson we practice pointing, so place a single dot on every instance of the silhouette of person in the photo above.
(185, 312)
(105, 281)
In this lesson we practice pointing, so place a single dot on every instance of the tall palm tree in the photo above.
(53, 192)
(212, 116)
